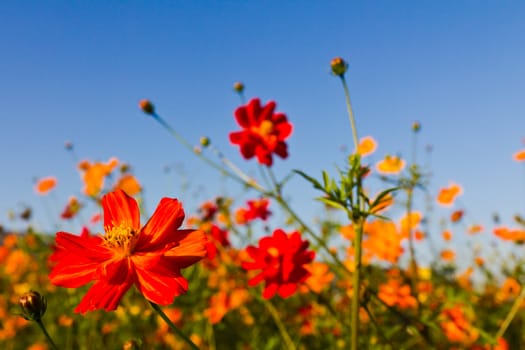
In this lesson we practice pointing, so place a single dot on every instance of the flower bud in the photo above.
(416, 126)
(238, 87)
(33, 305)
(205, 141)
(147, 107)
(339, 66)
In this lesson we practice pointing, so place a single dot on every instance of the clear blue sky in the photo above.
(74, 71)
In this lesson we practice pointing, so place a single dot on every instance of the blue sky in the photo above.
(75, 71)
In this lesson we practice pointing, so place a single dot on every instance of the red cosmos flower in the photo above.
(264, 131)
(149, 257)
(282, 259)
(257, 209)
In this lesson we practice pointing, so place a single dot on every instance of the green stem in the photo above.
(44, 330)
(173, 327)
(413, 261)
(512, 313)
(350, 112)
(237, 174)
(356, 283)
(308, 230)
(277, 319)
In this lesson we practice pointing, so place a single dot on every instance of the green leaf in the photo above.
(310, 179)
(331, 203)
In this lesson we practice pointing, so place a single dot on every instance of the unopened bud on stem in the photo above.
(339, 66)
(33, 305)
(147, 107)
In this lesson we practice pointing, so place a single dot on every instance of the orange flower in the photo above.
(410, 222)
(225, 301)
(447, 195)
(46, 184)
(457, 215)
(129, 184)
(519, 156)
(509, 290)
(479, 261)
(475, 229)
(457, 327)
(320, 276)
(447, 235)
(448, 255)
(510, 235)
(367, 146)
(94, 174)
(390, 165)
(393, 293)
(149, 257)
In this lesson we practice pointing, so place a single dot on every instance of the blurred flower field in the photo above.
(230, 276)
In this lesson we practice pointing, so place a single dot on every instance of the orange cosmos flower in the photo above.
(129, 184)
(510, 235)
(447, 235)
(476, 228)
(320, 277)
(448, 255)
(282, 259)
(263, 131)
(519, 156)
(390, 165)
(46, 184)
(447, 195)
(149, 257)
(367, 146)
(393, 293)
(456, 326)
(93, 175)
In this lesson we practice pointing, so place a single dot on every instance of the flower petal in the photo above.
(120, 210)
(158, 283)
(161, 229)
(102, 295)
(191, 248)
(77, 259)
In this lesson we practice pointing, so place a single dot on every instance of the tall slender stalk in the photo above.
(358, 222)
(44, 330)
(173, 327)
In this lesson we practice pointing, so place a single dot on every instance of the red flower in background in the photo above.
(282, 258)
(149, 257)
(257, 209)
(264, 131)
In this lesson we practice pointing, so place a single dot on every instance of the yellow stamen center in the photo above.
(273, 252)
(120, 237)
(266, 128)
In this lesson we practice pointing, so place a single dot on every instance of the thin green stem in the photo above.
(44, 330)
(350, 113)
(377, 326)
(321, 243)
(173, 327)
(237, 174)
(277, 319)
(356, 283)
(512, 313)
(413, 261)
